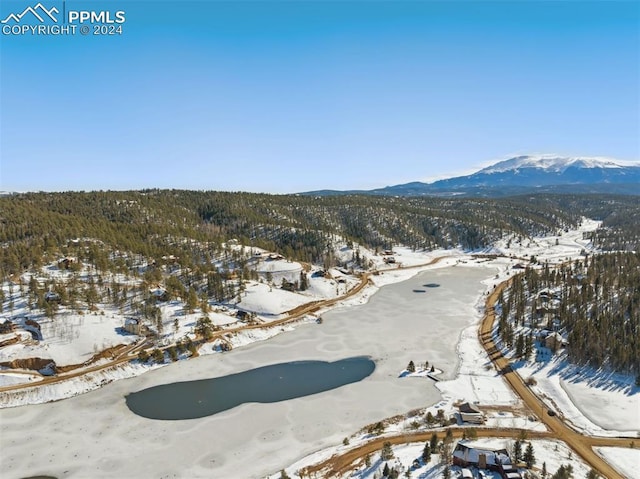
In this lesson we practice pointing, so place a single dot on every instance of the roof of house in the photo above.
(468, 408)
(471, 454)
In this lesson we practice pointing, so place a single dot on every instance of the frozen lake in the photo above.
(96, 435)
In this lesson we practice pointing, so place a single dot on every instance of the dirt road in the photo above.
(336, 465)
(576, 441)
(130, 352)
(581, 445)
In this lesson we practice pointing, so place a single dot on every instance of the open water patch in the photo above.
(267, 384)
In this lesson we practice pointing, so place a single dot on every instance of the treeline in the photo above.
(620, 216)
(38, 227)
(594, 303)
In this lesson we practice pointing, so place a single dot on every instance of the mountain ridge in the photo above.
(525, 174)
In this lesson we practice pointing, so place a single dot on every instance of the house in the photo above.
(554, 341)
(133, 326)
(472, 418)
(390, 260)
(467, 407)
(66, 262)
(159, 293)
(466, 454)
(470, 413)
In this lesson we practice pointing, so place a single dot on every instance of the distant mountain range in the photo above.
(525, 175)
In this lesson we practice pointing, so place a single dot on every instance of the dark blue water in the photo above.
(278, 382)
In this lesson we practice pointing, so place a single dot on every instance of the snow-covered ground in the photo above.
(591, 402)
(70, 338)
(278, 433)
(9, 379)
(395, 326)
(407, 457)
(625, 460)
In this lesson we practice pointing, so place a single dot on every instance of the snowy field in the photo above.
(593, 402)
(626, 461)
(71, 338)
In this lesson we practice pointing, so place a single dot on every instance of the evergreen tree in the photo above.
(433, 443)
(173, 353)
(387, 451)
(448, 438)
(529, 457)
(304, 282)
(429, 418)
(158, 356)
(411, 367)
(143, 356)
(385, 470)
(192, 301)
(517, 451)
(426, 453)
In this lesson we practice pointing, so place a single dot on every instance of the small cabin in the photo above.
(66, 262)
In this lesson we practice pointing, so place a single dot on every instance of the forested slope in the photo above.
(192, 224)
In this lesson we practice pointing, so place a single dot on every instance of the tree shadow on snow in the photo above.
(596, 378)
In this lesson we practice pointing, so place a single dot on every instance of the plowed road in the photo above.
(131, 352)
(582, 445)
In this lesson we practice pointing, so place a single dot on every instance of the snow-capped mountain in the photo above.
(551, 163)
(547, 170)
(530, 174)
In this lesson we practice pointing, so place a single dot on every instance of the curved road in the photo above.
(582, 445)
(131, 352)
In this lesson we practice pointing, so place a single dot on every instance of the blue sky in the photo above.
(294, 96)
